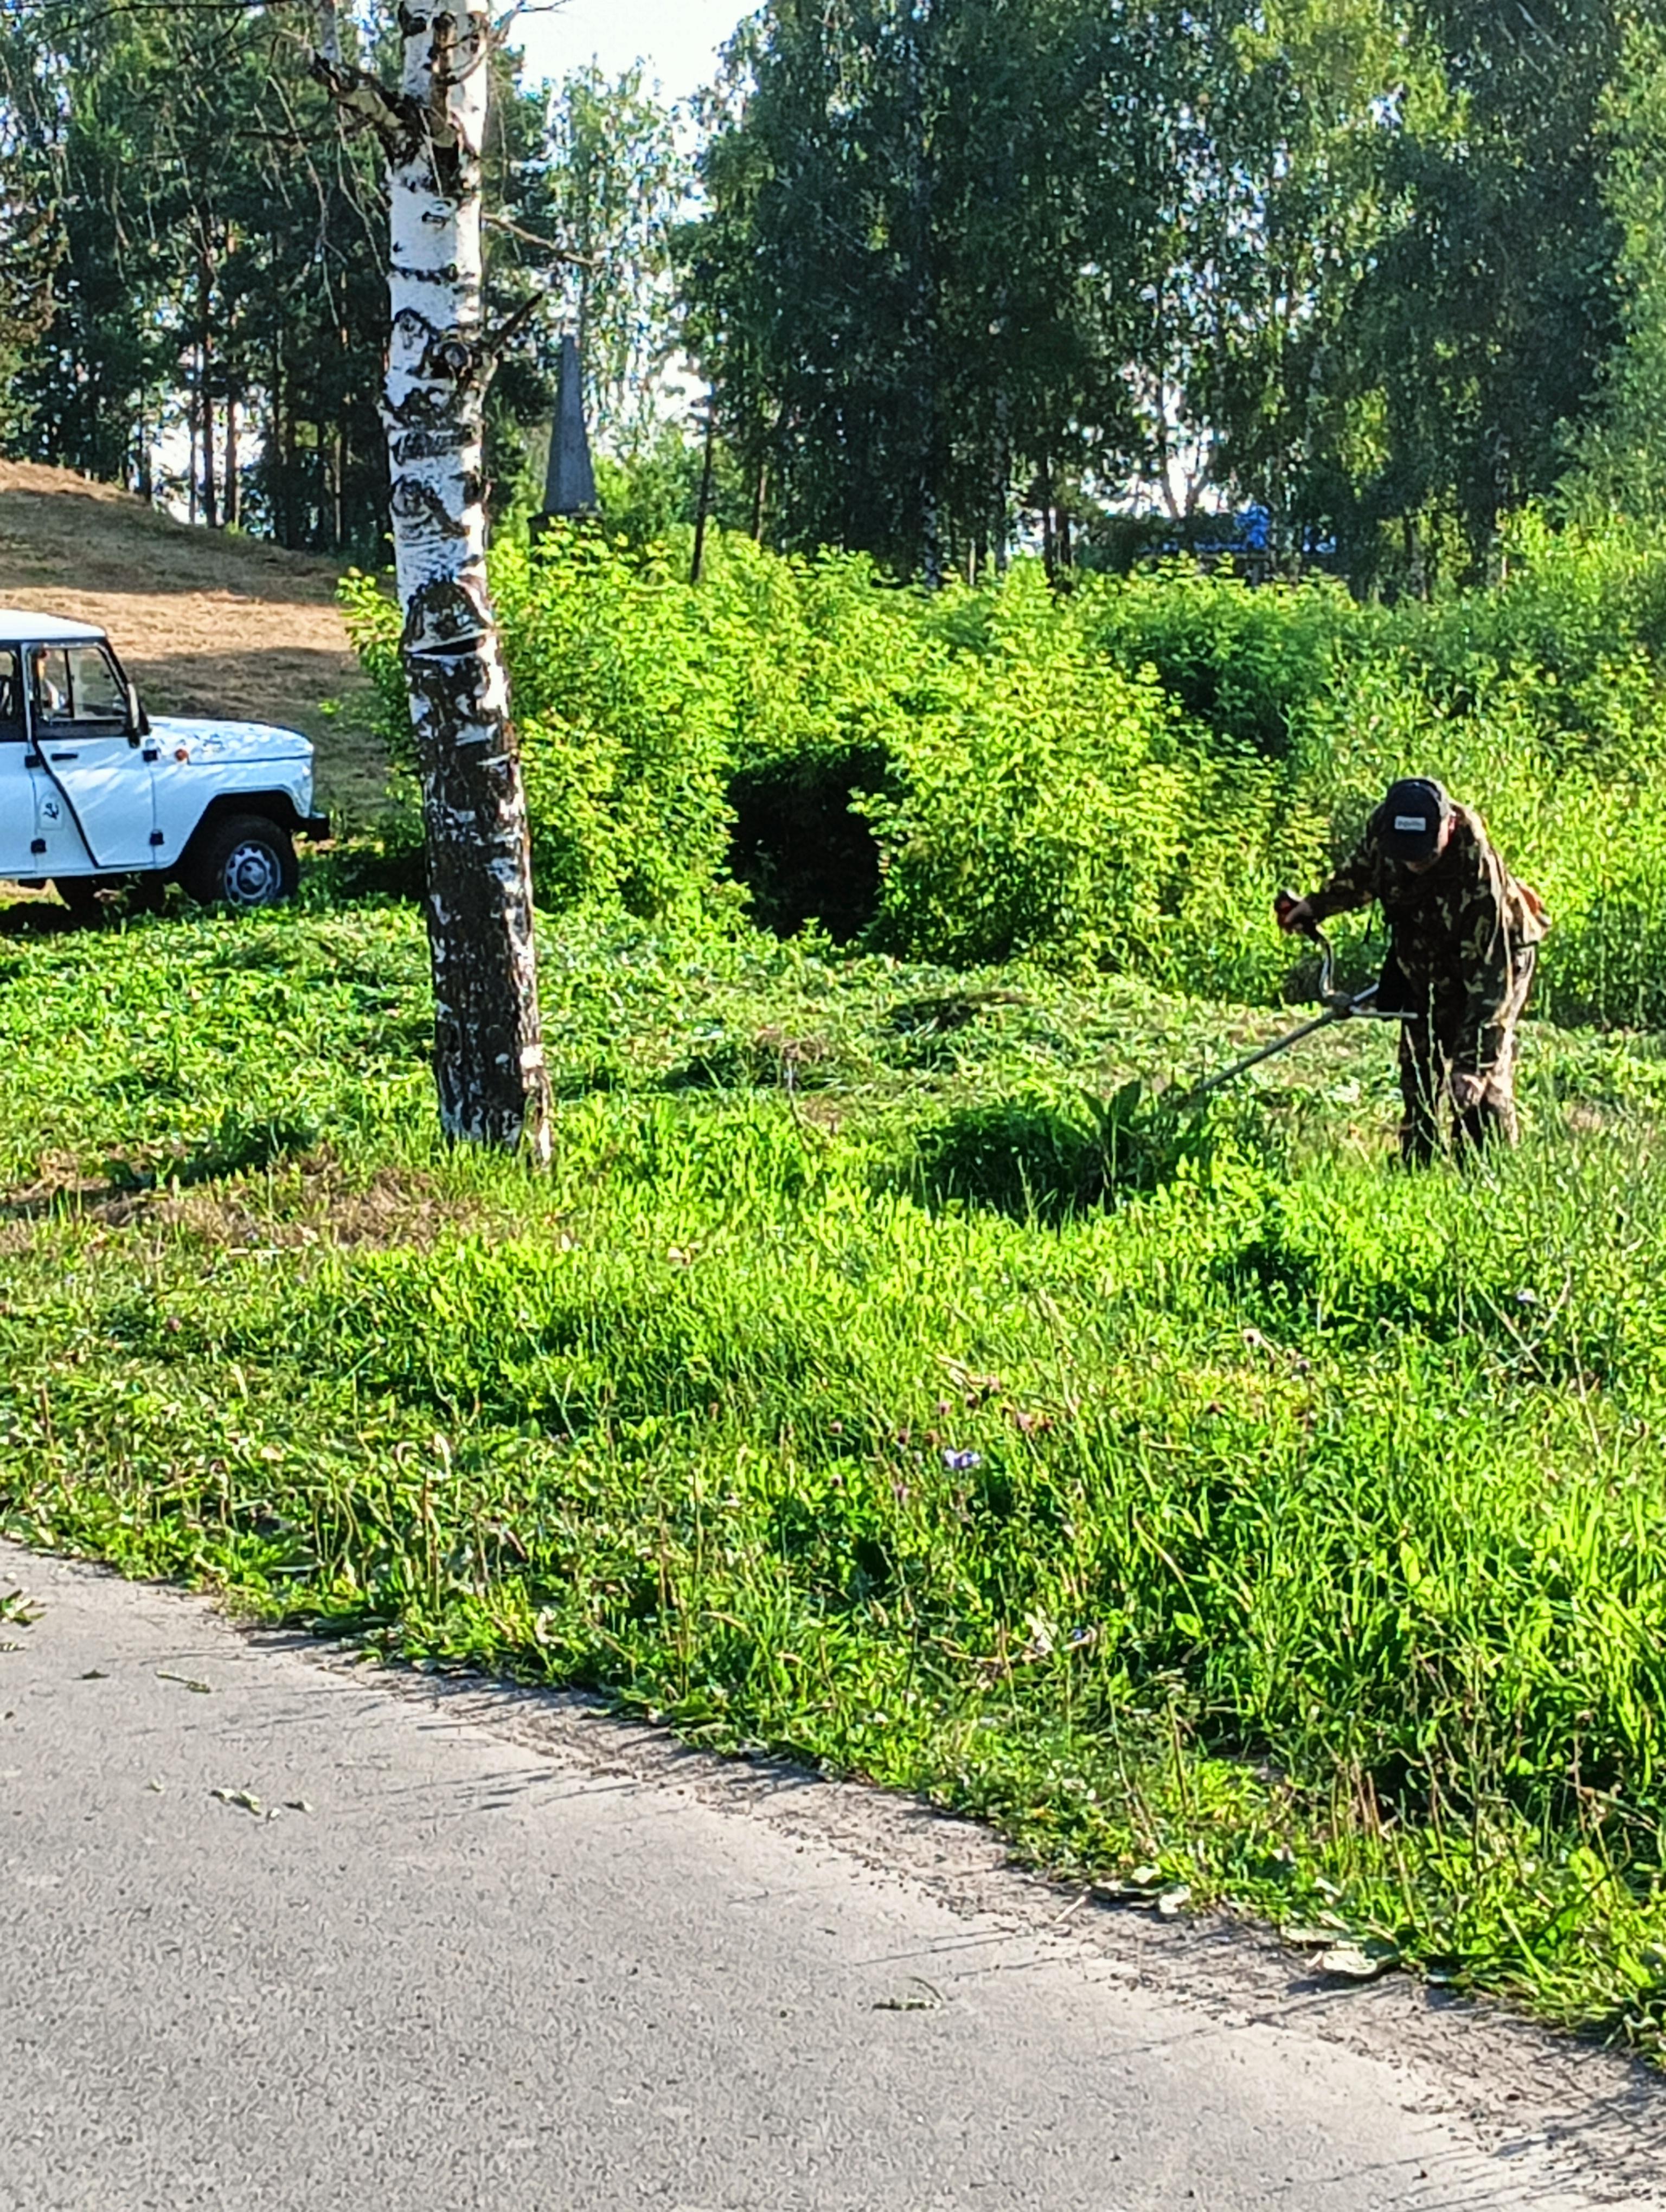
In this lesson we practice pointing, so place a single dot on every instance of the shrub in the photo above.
(1244, 661)
(1037, 804)
(623, 703)
(1120, 777)
(625, 700)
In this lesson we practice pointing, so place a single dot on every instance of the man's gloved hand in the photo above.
(1467, 1089)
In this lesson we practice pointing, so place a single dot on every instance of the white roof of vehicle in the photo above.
(18, 626)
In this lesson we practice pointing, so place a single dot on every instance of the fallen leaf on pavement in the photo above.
(1359, 1962)
(245, 1798)
(921, 1996)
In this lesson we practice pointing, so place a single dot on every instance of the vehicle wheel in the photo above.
(81, 895)
(244, 861)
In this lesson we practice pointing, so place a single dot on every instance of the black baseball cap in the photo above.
(1410, 819)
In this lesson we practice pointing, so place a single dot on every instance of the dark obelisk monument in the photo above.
(570, 484)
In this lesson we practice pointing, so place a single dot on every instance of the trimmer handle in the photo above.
(1328, 994)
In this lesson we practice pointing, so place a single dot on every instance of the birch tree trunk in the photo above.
(487, 1046)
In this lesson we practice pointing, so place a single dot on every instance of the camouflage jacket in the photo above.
(1457, 932)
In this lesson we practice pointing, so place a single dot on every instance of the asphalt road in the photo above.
(469, 1949)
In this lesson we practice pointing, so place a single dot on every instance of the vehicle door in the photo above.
(79, 704)
(17, 830)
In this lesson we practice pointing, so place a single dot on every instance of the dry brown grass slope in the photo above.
(208, 623)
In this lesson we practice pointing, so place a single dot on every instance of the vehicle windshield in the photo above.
(77, 684)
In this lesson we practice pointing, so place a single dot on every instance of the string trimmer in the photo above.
(1339, 1006)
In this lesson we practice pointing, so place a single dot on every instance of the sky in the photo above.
(677, 39)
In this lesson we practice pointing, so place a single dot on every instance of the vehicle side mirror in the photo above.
(138, 722)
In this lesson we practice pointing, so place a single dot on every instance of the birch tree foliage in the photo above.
(29, 252)
(1352, 260)
(1277, 194)
(914, 285)
(1620, 456)
(487, 1054)
(610, 182)
(197, 186)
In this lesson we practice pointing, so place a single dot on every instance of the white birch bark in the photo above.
(488, 1053)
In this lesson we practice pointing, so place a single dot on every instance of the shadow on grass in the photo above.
(36, 917)
(365, 871)
(236, 1148)
(1047, 1161)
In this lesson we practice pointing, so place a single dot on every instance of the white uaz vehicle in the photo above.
(93, 791)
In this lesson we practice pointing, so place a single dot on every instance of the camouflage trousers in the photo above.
(1427, 1044)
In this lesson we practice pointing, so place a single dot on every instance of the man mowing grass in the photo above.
(1464, 938)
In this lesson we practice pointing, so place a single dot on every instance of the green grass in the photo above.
(878, 1379)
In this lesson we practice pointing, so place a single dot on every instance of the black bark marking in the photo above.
(420, 507)
(442, 619)
(447, 275)
(412, 322)
(423, 408)
(454, 168)
(427, 444)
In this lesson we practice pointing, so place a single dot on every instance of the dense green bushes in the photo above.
(623, 707)
(1119, 778)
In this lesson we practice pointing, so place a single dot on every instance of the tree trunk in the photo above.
(290, 449)
(233, 499)
(488, 1052)
(194, 422)
(931, 536)
(205, 345)
(1002, 478)
(923, 322)
(274, 457)
(704, 508)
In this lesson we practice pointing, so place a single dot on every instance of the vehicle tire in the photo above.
(244, 861)
(81, 895)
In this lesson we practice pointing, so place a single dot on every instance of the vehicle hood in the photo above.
(207, 741)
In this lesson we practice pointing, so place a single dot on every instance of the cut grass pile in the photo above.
(877, 1378)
